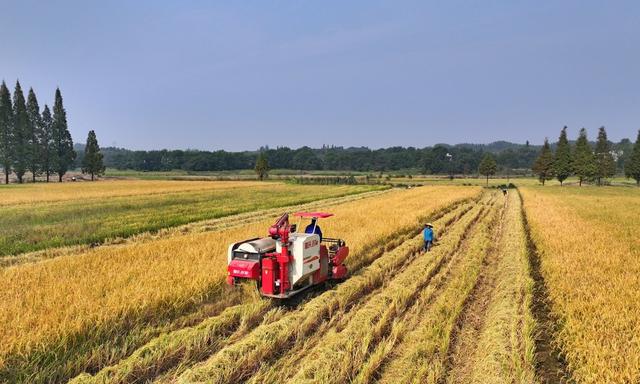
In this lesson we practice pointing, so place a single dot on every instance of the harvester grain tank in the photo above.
(287, 262)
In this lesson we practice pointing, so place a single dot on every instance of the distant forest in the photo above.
(440, 159)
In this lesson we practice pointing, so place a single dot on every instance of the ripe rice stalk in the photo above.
(504, 346)
(55, 327)
(589, 248)
(38, 193)
(353, 345)
(152, 355)
(239, 361)
(41, 225)
(422, 355)
(209, 225)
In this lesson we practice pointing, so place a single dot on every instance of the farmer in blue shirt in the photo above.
(429, 236)
(314, 228)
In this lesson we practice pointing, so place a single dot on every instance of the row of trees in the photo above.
(31, 141)
(584, 161)
(462, 159)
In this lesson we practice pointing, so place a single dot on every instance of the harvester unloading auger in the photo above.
(287, 262)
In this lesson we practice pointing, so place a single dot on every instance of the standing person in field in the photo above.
(429, 236)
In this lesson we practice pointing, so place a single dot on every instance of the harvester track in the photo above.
(266, 345)
(167, 356)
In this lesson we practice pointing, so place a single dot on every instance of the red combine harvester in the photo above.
(287, 262)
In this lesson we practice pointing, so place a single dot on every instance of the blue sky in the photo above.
(238, 75)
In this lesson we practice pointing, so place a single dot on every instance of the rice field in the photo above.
(39, 216)
(515, 290)
(589, 250)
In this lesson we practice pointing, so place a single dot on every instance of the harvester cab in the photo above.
(287, 262)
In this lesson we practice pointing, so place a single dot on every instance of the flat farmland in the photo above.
(588, 245)
(38, 216)
(519, 288)
(89, 308)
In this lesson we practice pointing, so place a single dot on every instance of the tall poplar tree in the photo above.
(632, 165)
(543, 166)
(488, 166)
(20, 133)
(64, 155)
(605, 166)
(34, 135)
(92, 161)
(562, 160)
(584, 165)
(6, 131)
(47, 149)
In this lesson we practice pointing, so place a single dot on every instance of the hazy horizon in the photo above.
(152, 75)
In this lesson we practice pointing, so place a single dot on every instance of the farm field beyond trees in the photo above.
(39, 216)
(589, 249)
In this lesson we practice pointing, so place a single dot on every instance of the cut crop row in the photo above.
(240, 360)
(194, 341)
(87, 311)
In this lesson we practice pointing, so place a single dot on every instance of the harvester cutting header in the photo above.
(286, 262)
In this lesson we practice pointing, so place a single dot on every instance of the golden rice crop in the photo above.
(497, 343)
(11, 195)
(45, 224)
(589, 248)
(421, 356)
(72, 307)
(220, 223)
(356, 346)
(195, 339)
(238, 361)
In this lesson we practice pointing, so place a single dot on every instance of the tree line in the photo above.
(439, 159)
(40, 142)
(589, 164)
(445, 159)
(31, 141)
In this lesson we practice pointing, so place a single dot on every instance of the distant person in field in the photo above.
(314, 228)
(429, 236)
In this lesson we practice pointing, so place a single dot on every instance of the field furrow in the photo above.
(240, 361)
(193, 342)
(164, 285)
(493, 341)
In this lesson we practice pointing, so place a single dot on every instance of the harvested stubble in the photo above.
(501, 350)
(287, 364)
(589, 248)
(365, 348)
(185, 346)
(422, 355)
(56, 327)
(240, 360)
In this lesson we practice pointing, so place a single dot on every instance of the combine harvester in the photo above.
(287, 262)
